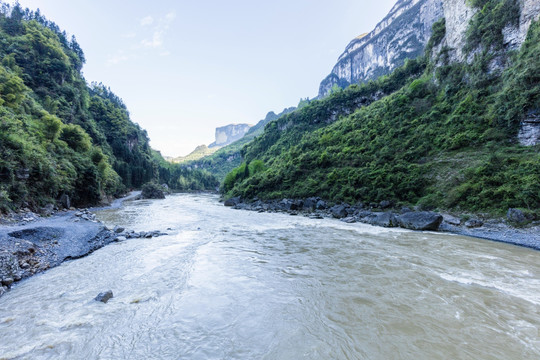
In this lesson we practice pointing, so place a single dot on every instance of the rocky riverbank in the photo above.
(30, 243)
(384, 214)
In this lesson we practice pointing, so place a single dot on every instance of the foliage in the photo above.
(58, 135)
(431, 135)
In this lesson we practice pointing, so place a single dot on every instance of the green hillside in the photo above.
(441, 135)
(57, 134)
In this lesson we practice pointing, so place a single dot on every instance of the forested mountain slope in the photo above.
(57, 134)
(441, 131)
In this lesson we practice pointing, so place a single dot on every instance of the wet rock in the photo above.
(148, 235)
(516, 216)
(474, 223)
(118, 229)
(104, 296)
(232, 201)
(7, 281)
(121, 238)
(420, 220)
(310, 204)
(349, 220)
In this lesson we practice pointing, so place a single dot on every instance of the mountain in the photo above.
(199, 152)
(228, 134)
(440, 131)
(228, 157)
(402, 34)
(59, 136)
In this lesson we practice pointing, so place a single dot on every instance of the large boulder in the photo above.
(65, 201)
(232, 201)
(339, 211)
(516, 216)
(152, 191)
(420, 220)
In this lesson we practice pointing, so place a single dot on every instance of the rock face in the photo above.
(402, 34)
(529, 132)
(229, 134)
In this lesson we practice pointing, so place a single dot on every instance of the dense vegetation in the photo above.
(60, 136)
(444, 136)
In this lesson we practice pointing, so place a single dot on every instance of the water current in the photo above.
(230, 284)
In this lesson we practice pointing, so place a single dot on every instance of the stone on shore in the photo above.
(104, 296)
(420, 220)
(383, 219)
(339, 211)
(516, 216)
(232, 201)
(474, 223)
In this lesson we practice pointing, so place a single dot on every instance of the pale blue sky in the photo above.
(186, 67)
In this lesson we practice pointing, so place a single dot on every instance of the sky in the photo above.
(184, 68)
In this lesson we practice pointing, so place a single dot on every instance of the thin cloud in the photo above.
(147, 21)
(159, 31)
(118, 58)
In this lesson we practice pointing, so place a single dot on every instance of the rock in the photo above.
(349, 220)
(148, 235)
(339, 211)
(405, 209)
(452, 220)
(232, 201)
(385, 204)
(516, 216)
(121, 238)
(118, 229)
(9, 266)
(142, 234)
(384, 219)
(7, 281)
(104, 296)
(321, 205)
(65, 201)
(474, 223)
(420, 220)
(152, 191)
(310, 204)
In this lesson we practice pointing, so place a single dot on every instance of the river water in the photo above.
(228, 284)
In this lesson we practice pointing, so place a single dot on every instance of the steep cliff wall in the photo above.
(229, 133)
(402, 34)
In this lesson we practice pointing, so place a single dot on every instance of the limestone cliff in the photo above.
(229, 134)
(402, 34)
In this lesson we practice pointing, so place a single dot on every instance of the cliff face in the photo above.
(229, 134)
(402, 34)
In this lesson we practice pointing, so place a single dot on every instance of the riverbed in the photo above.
(229, 284)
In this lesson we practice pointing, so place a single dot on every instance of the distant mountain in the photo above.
(402, 34)
(199, 152)
(228, 134)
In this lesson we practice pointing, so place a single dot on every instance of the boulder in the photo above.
(152, 191)
(232, 201)
(321, 205)
(516, 216)
(474, 223)
(384, 219)
(385, 204)
(452, 220)
(104, 296)
(118, 229)
(339, 211)
(310, 204)
(65, 201)
(420, 220)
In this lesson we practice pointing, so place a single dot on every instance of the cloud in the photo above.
(130, 35)
(147, 21)
(159, 31)
(118, 58)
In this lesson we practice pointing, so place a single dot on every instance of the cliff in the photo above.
(229, 134)
(402, 34)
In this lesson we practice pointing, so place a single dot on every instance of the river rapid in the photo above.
(229, 284)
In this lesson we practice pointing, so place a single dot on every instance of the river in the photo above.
(229, 284)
